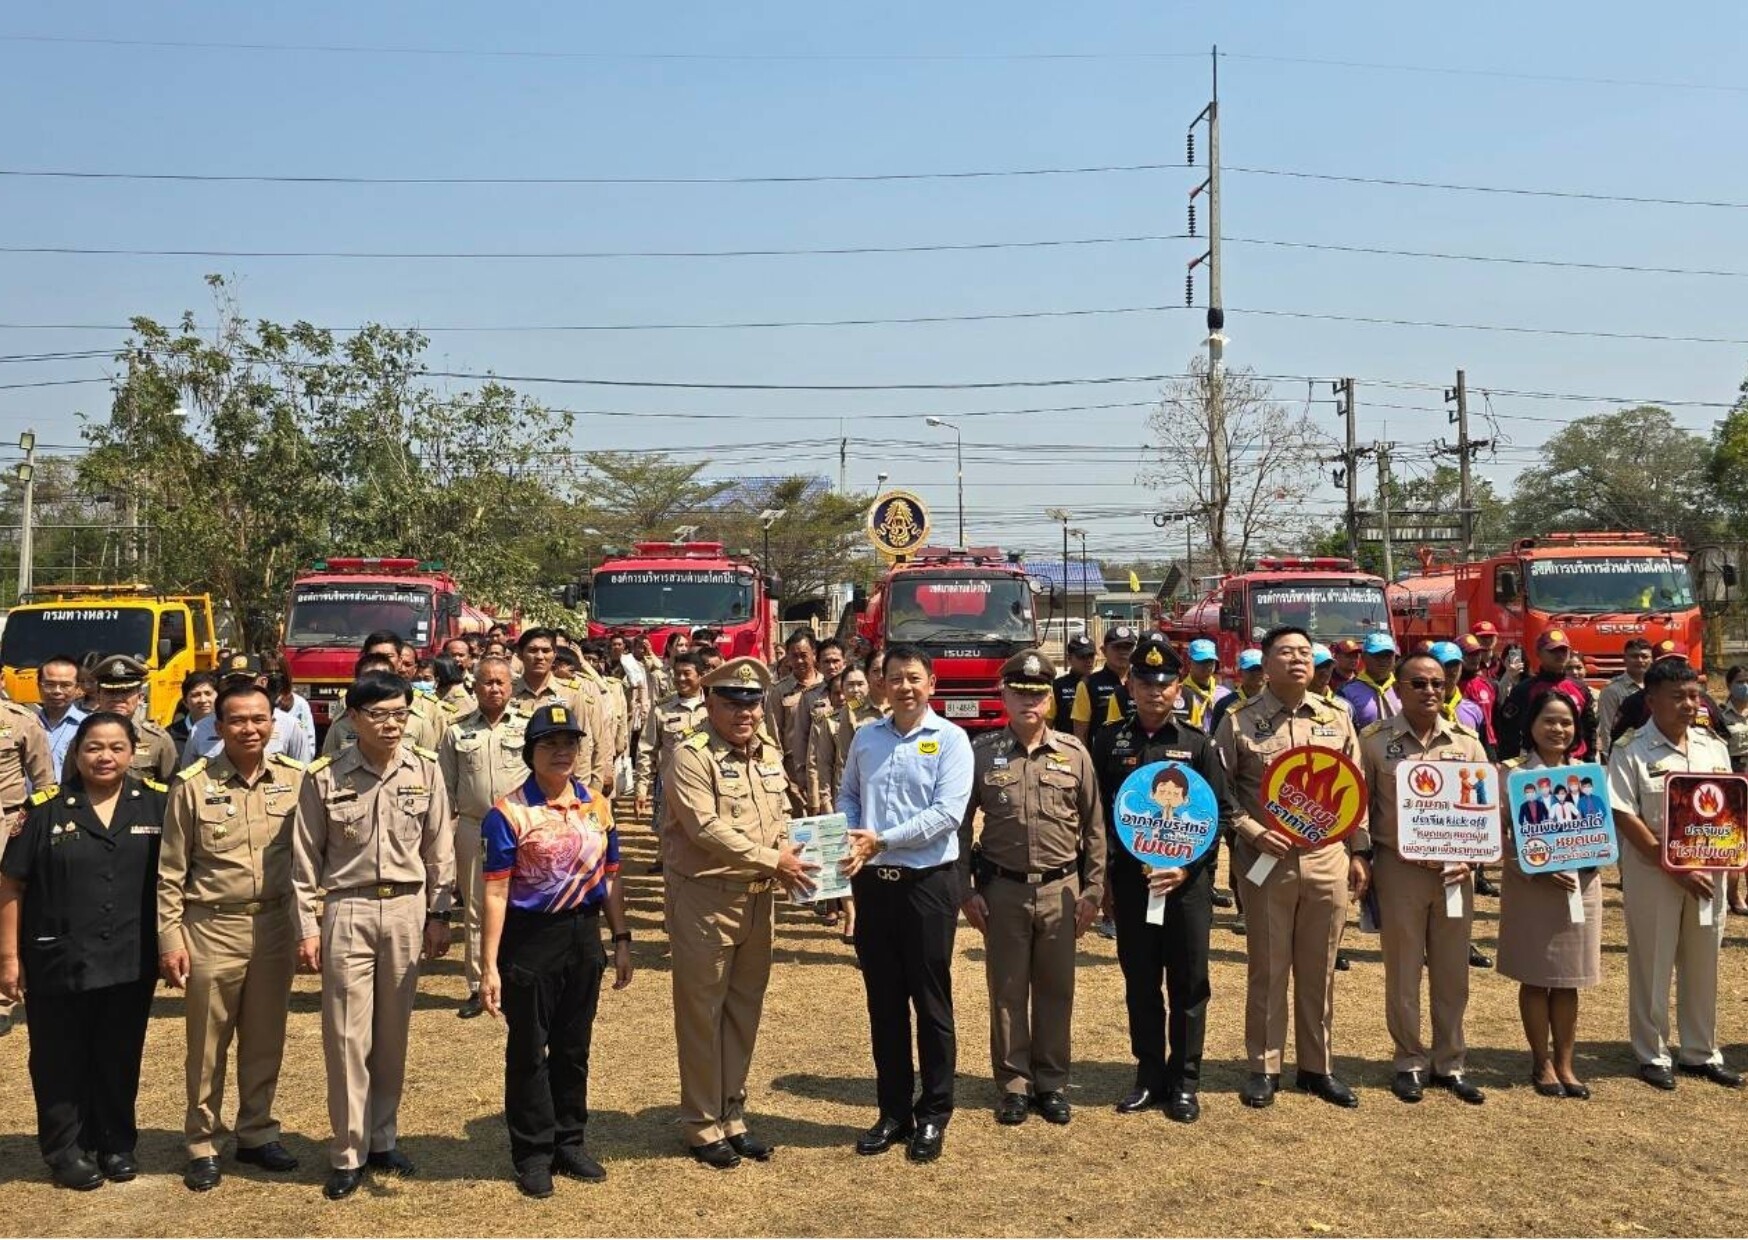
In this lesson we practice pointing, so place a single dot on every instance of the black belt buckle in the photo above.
(888, 873)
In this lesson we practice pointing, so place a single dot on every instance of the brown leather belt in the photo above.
(253, 908)
(379, 891)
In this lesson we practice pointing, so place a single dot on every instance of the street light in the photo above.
(26, 473)
(767, 519)
(1085, 579)
(1163, 519)
(1061, 514)
(959, 456)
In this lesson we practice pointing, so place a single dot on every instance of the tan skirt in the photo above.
(1538, 944)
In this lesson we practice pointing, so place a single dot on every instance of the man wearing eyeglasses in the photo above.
(1416, 933)
(373, 847)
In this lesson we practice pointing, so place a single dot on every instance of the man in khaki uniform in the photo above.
(784, 698)
(537, 683)
(1294, 922)
(814, 704)
(670, 721)
(26, 766)
(724, 836)
(425, 724)
(374, 847)
(121, 685)
(1416, 934)
(225, 930)
(481, 760)
(1038, 874)
(833, 730)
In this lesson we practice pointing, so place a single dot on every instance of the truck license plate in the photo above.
(962, 709)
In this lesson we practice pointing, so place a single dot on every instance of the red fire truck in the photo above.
(971, 610)
(663, 588)
(1332, 599)
(1601, 588)
(340, 601)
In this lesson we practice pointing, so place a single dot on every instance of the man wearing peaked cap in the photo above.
(1552, 649)
(121, 684)
(1372, 693)
(1101, 699)
(1032, 887)
(1065, 687)
(1202, 692)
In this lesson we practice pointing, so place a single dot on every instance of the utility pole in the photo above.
(1086, 595)
(1061, 514)
(26, 473)
(1219, 466)
(1466, 450)
(1382, 451)
(1346, 476)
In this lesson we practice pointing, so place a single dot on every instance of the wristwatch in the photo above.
(622, 936)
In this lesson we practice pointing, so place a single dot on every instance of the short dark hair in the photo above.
(829, 643)
(904, 652)
(367, 661)
(374, 687)
(533, 635)
(1734, 674)
(689, 658)
(799, 636)
(1635, 644)
(707, 651)
(567, 656)
(446, 670)
(278, 682)
(1279, 631)
(68, 659)
(1427, 655)
(1669, 672)
(191, 681)
(99, 718)
(237, 689)
(381, 637)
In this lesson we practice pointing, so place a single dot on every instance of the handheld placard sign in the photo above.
(1448, 812)
(1166, 815)
(1312, 795)
(1705, 828)
(1560, 819)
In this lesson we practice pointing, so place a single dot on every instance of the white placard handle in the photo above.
(1575, 905)
(1261, 869)
(1155, 908)
(1454, 900)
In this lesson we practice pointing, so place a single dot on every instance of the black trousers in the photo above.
(904, 941)
(1177, 952)
(551, 965)
(85, 1052)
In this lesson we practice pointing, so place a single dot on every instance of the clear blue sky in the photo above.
(954, 98)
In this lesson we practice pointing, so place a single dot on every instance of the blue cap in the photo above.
(1203, 651)
(1321, 654)
(1379, 643)
(1447, 652)
(1249, 660)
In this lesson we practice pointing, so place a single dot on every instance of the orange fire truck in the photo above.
(1601, 588)
(1332, 599)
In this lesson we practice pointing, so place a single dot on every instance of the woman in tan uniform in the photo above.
(1540, 947)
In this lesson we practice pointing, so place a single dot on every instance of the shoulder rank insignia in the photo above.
(189, 772)
(44, 795)
(430, 755)
(698, 740)
(154, 785)
(1373, 728)
(326, 759)
(284, 760)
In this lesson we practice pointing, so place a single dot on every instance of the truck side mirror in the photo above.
(773, 585)
(570, 596)
(166, 648)
(1727, 571)
(1505, 586)
(858, 599)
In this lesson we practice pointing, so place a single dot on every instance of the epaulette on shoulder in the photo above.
(189, 772)
(154, 785)
(1512, 764)
(429, 755)
(1373, 728)
(988, 739)
(1463, 729)
(326, 759)
(1069, 740)
(285, 760)
(1625, 738)
(426, 693)
(44, 795)
(698, 740)
(1246, 704)
(571, 682)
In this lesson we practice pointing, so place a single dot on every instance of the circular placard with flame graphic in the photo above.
(1315, 796)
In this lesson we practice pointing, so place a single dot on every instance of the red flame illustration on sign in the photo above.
(1318, 785)
(1708, 801)
(1425, 781)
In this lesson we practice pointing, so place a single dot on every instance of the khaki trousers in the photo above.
(1665, 941)
(1293, 926)
(1417, 937)
(370, 977)
(1028, 958)
(239, 984)
(721, 943)
(469, 877)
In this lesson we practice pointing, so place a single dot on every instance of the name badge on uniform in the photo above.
(412, 790)
(928, 747)
(1324, 729)
(728, 770)
(1178, 755)
(145, 828)
(221, 799)
(769, 768)
(342, 795)
(999, 761)
(273, 788)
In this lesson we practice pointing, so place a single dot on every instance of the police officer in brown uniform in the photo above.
(726, 855)
(1415, 931)
(26, 766)
(1037, 875)
(226, 934)
(374, 846)
(481, 760)
(121, 684)
(1294, 922)
(538, 683)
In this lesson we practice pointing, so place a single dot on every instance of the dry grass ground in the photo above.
(1630, 1161)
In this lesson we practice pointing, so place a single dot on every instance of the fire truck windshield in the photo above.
(34, 634)
(925, 609)
(341, 613)
(672, 596)
(1328, 611)
(1610, 583)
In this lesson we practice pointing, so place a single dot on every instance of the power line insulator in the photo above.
(1192, 219)
(1190, 147)
(1189, 290)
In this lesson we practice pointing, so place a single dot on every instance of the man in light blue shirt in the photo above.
(906, 782)
(58, 682)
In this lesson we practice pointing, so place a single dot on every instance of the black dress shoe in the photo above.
(1327, 1086)
(1407, 1086)
(118, 1167)
(1238, 927)
(1012, 1109)
(1716, 1073)
(748, 1146)
(342, 1182)
(201, 1175)
(270, 1157)
(718, 1154)
(79, 1174)
(1137, 1100)
(1479, 959)
(1485, 886)
(1575, 1089)
(574, 1161)
(1259, 1089)
(1461, 1086)
(882, 1137)
(1182, 1107)
(1657, 1076)
(471, 1007)
(1342, 963)
(1221, 899)
(925, 1142)
(535, 1182)
(392, 1161)
(1549, 1089)
(1053, 1107)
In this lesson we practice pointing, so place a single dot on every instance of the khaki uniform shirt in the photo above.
(356, 828)
(814, 704)
(1608, 705)
(1638, 764)
(780, 704)
(671, 722)
(595, 754)
(481, 761)
(226, 841)
(827, 747)
(725, 812)
(1254, 733)
(25, 764)
(661, 678)
(618, 708)
(458, 702)
(1041, 809)
(1389, 743)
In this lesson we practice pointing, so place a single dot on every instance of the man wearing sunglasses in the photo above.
(1416, 933)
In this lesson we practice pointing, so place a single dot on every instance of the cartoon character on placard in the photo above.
(1171, 792)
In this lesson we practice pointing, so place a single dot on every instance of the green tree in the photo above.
(816, 543)
(1439, 493)
(1727, 468)
(633, 496)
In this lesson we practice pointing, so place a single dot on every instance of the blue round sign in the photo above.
(1166, 815)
